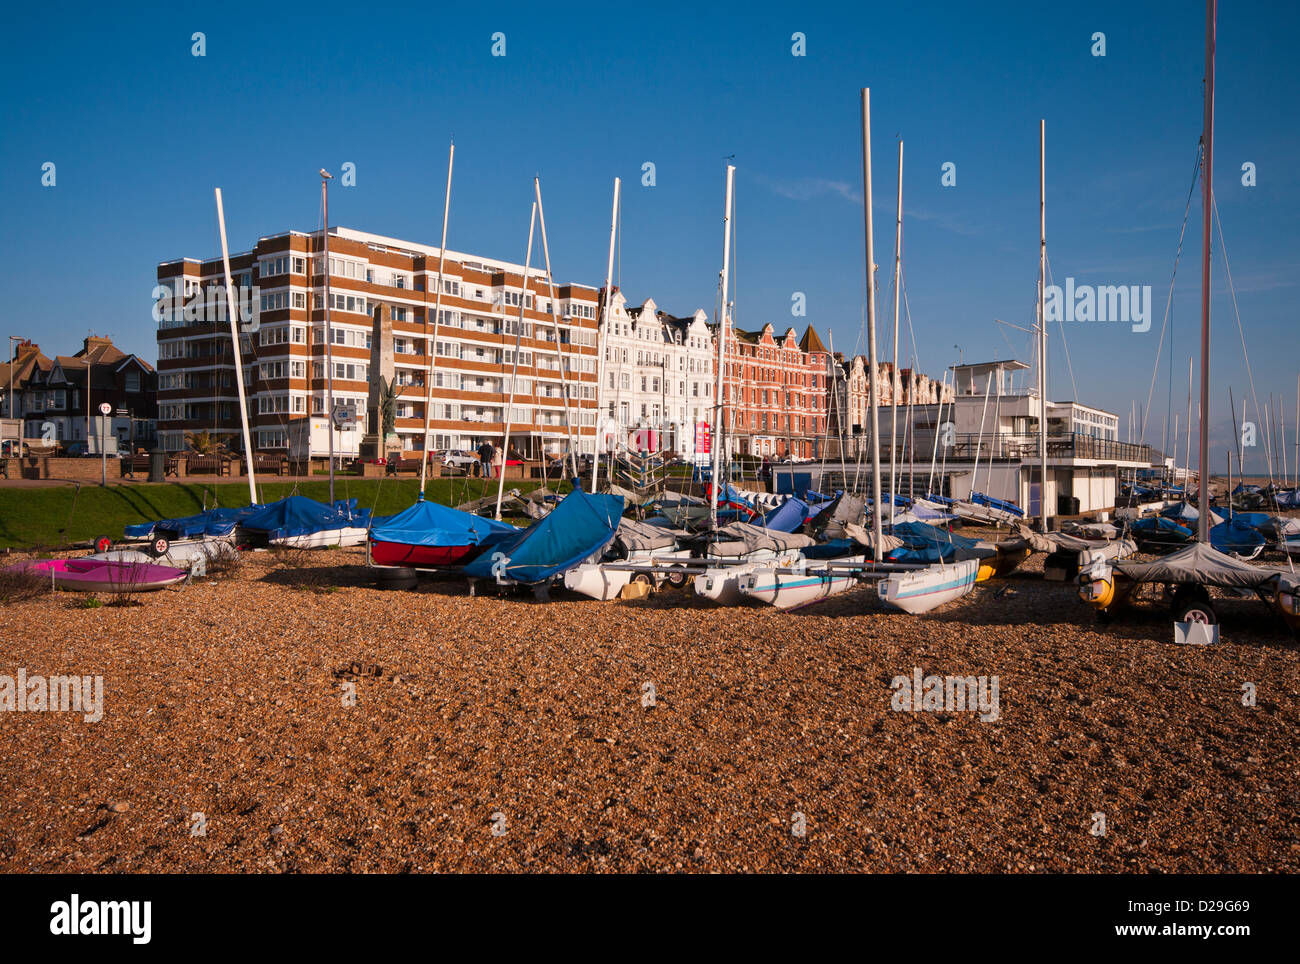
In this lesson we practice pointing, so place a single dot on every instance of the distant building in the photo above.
(658, 377)
(988, 441)
(776, 392)
(850, 410)
(50, 396)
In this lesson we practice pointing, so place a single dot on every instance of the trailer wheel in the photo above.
(676, 577)
(160, 546)
(1194, 608)
(645, 580)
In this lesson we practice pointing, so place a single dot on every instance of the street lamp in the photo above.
(13, 357)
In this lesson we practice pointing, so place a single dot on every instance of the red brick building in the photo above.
(775, 392)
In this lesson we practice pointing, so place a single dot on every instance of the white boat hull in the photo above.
(789, 590)
(349, 536)
(181, 555)
(922, 590)
(721, 584)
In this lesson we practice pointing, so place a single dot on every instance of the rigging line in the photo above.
(1069, 364)
(1169, 300)
(1232, 290)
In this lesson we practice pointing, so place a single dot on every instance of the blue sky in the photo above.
(141, 131)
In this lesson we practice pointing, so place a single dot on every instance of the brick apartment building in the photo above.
(284, 358)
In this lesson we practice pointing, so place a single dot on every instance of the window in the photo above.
(132, 382)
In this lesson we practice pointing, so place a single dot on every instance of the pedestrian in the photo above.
(499, 462)
(485, 453)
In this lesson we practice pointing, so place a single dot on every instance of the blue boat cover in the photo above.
(979, 498)
(1236, 536)
(431, 524)
(1252, 519)
(579, 527)
(1160, 529)
(831, 549)
(212, 522)
(789, 516)
(926, 543)
(298, 515)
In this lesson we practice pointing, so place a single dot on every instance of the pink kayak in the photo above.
(101, 575)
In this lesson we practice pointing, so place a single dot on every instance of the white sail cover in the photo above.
(1200, 563)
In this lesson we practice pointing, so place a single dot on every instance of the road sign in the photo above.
(344, 417)
(105, 408)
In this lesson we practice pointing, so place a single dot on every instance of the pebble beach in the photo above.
(288, 716)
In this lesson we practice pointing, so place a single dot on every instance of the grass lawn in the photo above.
(60, 515)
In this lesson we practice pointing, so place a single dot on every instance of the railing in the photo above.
(968, 447)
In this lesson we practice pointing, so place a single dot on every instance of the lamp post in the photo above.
(325, 178)
(13, 358)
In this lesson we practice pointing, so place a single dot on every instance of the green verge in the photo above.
(54, 516)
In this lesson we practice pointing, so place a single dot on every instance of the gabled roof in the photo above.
(810, 342)
(29, 360)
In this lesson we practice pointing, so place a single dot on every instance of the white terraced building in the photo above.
(658, 378)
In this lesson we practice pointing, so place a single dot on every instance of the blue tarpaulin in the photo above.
(789, 516)
(298, 515)
(213, 522)
(431, 524)
(1237, 536)
(979, 498)
(579, 527)
(927, 543)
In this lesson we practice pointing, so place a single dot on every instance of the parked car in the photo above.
(460, 459)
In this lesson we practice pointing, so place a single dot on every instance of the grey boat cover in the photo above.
(631, 497)
(834, 520)
(638, 536)
(510, 502)
(862, 537)
(1202, 564)
(1091, 530)
(742, 537)
(1058, 541)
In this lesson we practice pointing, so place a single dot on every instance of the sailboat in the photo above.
(1191, 572)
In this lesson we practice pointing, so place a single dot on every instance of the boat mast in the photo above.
(604, 334)
(1207, 200)
(325, 178)
(876, 525)
(514, 368)
(975, 468)
(232, 312)
(555, 325)
(1042, 325)
(431, 343)
(715, 441)
(894, 381)
(1187, 454)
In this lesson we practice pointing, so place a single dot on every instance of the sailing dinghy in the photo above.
(102, 575)
(432, 536)
(925, 589)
